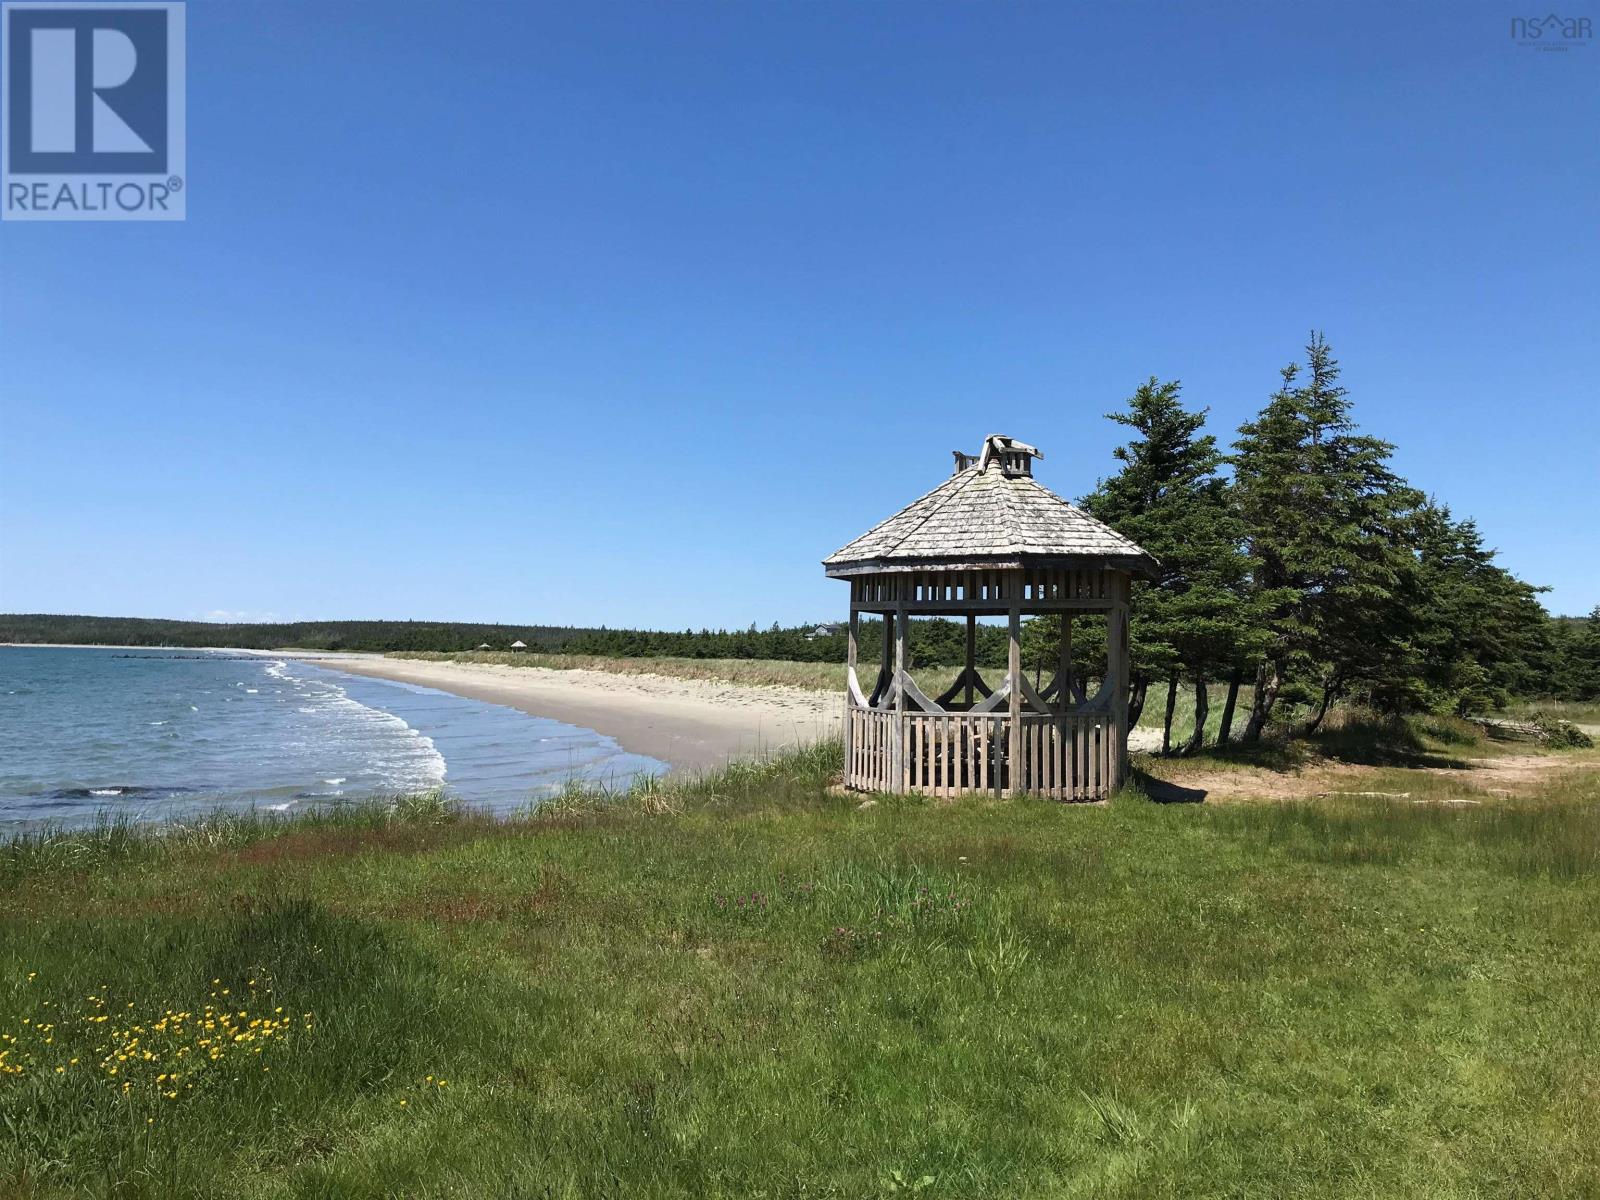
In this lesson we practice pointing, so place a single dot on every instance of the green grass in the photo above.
(1349, 731)
(1286, 716)
(1154, 712)
(1579, 712)
(749, 986)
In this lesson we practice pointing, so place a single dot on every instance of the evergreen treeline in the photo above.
(799, 643)
(305, 635)
(931, 641)
(1301, 570)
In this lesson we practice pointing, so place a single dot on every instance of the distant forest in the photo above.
(800, 643)
(301, 635)
(933, 642)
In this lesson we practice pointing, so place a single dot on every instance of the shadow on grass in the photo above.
(1359, 739)
(1382, 742)
(1164, 791)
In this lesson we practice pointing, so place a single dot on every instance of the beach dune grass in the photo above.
(750, 986)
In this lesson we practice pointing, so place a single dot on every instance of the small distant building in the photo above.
(485, 646)
(822, 631)
(519, 645)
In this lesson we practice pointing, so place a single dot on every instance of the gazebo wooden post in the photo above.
(1064, 691)
(1117, 674)
(852, 653)
(972, 654)
(897, 765)
(1014, 772)
(886, 653)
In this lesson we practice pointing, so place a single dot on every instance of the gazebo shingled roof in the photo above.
(988, 515)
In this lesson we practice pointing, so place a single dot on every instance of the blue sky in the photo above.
(584, 313)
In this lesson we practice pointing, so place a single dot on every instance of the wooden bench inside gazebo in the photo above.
(990, 541)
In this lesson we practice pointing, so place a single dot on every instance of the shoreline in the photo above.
(692, 725)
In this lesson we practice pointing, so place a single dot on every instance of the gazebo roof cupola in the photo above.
(990, 514)
(1010, 456)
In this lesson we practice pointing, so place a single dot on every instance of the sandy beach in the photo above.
(695, 725)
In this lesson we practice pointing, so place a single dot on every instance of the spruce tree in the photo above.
(1326, 522)
(1197, 618)
(1266, 464)
(1482, 635)
(1583, 659)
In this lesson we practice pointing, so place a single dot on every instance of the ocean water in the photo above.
(161, 734)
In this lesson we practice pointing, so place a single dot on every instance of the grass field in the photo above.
(752, 987)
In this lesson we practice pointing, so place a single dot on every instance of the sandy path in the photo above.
(693, 724)
(1505, 775)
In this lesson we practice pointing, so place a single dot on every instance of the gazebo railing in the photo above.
(1066, 756)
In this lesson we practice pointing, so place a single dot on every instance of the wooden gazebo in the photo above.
(989, 541)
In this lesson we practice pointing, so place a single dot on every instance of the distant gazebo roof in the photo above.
(990, 513)
(519, 645)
